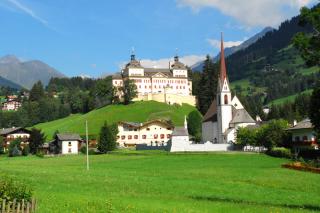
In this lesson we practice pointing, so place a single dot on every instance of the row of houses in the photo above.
(155, 133)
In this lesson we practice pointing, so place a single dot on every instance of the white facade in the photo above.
(11, 105)
(155, 132)
(69, 147)
(173, 81)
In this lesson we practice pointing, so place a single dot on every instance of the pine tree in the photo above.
(106, 140)
(129, 90)
(37, 138)
(315, 108)
(36, 92)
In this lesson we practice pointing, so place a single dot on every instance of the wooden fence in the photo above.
(18, 207)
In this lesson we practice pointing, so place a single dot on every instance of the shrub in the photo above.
(26, 151)
(280, 152)
(11, 189)
(40, 154)
(83, 149)
(14, 148)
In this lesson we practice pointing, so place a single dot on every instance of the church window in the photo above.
(225, 99)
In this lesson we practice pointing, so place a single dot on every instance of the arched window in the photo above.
(225, 99)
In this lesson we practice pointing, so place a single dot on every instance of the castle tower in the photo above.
(224, 107)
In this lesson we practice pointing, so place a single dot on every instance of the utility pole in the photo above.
(87, 145)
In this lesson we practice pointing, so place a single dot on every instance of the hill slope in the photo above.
(6, 83)
(230, 50)
(26, 73)
(136, 112)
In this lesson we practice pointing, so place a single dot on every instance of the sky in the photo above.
(96, 37)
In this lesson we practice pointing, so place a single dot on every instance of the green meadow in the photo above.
(131, 181)
(136, 112)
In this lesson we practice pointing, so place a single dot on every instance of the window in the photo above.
(168, 128)
(69, 150)
(225, 99)
(69, 143)
(144, 137)
(136, 137)
(168, 136)
(129, 137)
(155, 136)
(297, 139)
(162, 136)
(123, 137)
(118, 137)
(148, 129)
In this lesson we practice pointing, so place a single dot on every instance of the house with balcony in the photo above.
(304, 135)
(10, 134)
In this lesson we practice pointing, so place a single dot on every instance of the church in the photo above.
(226, 113)
(169, 85)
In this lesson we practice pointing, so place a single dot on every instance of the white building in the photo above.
(68, 143)
(156, 132)
(226, 114)
(11, 105)
(170, 85)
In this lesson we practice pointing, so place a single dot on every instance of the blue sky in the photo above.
(94, 37)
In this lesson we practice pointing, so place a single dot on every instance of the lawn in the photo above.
(160, 182)
(137, 112)
(290, 98)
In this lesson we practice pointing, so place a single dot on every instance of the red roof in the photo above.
(223, 69)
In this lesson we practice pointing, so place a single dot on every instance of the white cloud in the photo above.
(251, 13)
(217, 43)
(188, 60)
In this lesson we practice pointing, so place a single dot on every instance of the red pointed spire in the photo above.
(223, 69)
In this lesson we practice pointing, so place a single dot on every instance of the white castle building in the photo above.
(226, 114)
(171, 85)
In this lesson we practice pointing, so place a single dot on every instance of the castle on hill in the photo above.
(171, 85)
(226, 113)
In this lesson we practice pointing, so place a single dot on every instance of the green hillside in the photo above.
(136, 112)
(290, 98)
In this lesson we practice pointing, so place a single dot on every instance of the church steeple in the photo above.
(133, 55)
(223, 69)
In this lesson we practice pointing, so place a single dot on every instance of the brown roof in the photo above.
(241, 116)
(180, 131)
(12, 130)
(211, 114)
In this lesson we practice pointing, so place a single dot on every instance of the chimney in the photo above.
(294, 122)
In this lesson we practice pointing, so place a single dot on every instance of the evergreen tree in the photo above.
(1, 145)
(37, 138)
(106, 140)
(36, 92)
(129, 90)
(194, 125)
(315, 108)
(207, 85)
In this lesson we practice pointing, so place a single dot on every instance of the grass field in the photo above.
(136, 112)
(162, 182)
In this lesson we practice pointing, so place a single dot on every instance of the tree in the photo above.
(194, 124)
(36, 92)
(37, 138)
(309, 44)
(14, 148)
(129, 90)
(314, 112)
(106, 140)
(246, 136)
(1, 145)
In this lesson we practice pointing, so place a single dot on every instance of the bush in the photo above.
(10, 190)
(83, 149)
(26, 151)
(14, 148)
(40, 154)
(280, 152)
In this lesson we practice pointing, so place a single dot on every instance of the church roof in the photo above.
(180, 131)
(241, 116)
(211, 114)
(223, 69)
(134, 63)
(177, 64)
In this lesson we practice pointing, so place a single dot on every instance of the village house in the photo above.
(303, 135)
(226, 113)
(12, 105)
(66, 143)
(13, 133)
(152, 133)
(170, 85)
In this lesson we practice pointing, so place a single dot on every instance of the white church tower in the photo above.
(224, 106)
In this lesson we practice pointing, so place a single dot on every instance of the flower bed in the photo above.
(301, 166)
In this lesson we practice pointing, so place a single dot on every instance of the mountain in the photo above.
(26, 73)
(6, 83)
(230, 50)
